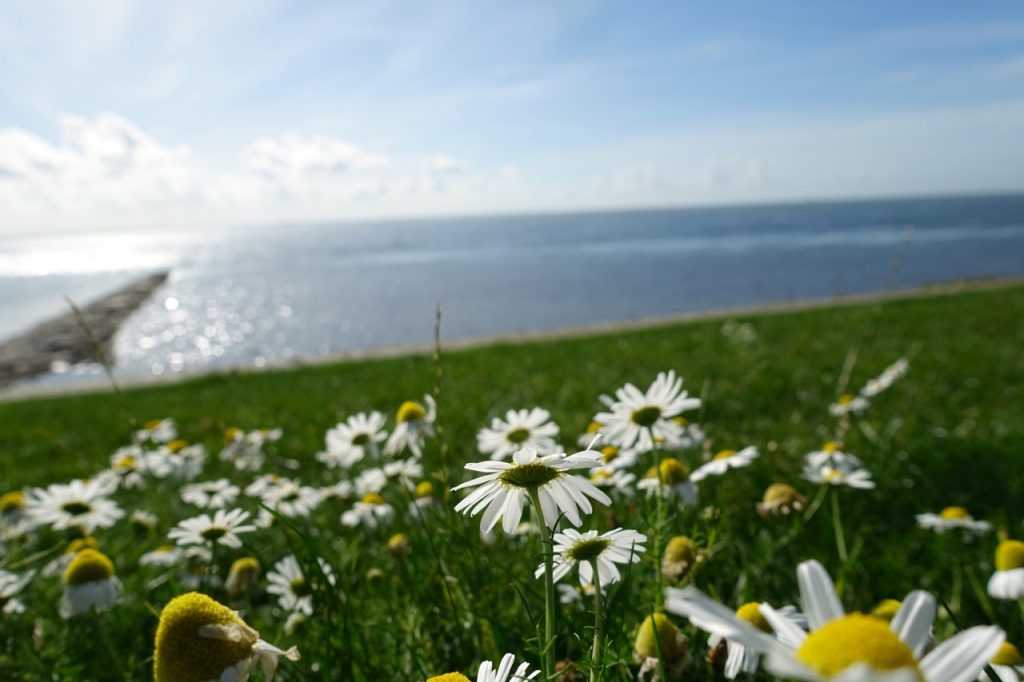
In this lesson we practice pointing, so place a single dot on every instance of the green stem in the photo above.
(548, 650)
(596, 662)
(659, 518)
(837, 527)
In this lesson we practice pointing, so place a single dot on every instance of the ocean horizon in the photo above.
(281, 293)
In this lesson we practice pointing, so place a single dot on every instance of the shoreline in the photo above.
(12, 393)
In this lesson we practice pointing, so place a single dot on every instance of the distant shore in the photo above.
(18, 392)
(83, 334)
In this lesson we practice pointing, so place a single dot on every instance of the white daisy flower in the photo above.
(245, 450)
(886, 379)
(576, 595)
(157, 431)
(129, 465)
(520, 429)
(634, 416)
(223, 529)
(1008, 665)
(740, 658)
(1008, 580)
(143, 522)
(78, 504)
(342, 490)
(292, 499)
(573, 548)
(723, 461)
(89, 583)
(294, 592)
(371, 481)
(489, 673)
(832, 475)
(405, 470)
(210, 494)
(265, 483)
(846, 647)
(953, 517)
(675, 482)
(505, 488)
(350, 441)
(163, 556)
(371, 511)
(10, 585)
(618, 480)
(831, 456)
(848, 404)
(415, 424)
(201, 639)
(176, 460)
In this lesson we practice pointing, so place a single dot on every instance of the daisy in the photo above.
(371, 481)
(424, 501)
(405, 470)
(210, 494)
(674, 482)
(265, 483)
(1008, 580)
(10, 585)
(157, 431)
(505, 487)
(78, 504)
(489, 673)
(342, 490)
(575, 595)
(57, 566)
(952, 517)
(294, 592)
(831, 456)
(371, 511)
(89, 583)
(681, 554)
(781, 499)
(848, 404)
(1008, 665)
(176, 460)
(723, 461)
(845, 646)
(13, 521)
(614, 479)
(573, 548)
(143, 522)
(658, 639)
(350, 441)
(829, 474)
(292, 499)
(201, 639)
(886, 379)
(128, 464)
(223, 529)
(164, 556)
(520, 429)
(415, 423)
(742, 659)
(634, 417)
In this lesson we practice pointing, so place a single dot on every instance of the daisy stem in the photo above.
(596, 662)
(548, 650)
(837, 526)
(659, 515)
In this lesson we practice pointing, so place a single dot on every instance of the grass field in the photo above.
(949, 433)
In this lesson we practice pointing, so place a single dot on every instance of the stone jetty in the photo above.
(65, 339)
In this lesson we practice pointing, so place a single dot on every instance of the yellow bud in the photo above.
(88, 566)
(669, 639)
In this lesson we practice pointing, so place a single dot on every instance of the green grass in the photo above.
(949, 433)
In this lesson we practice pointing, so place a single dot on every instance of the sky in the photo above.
(125, 113)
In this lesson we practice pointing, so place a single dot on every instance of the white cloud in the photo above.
(447, 165)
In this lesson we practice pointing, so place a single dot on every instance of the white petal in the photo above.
(817, 594)
(962, 657)
(913, 620)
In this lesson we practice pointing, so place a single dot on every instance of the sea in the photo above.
(253, 297)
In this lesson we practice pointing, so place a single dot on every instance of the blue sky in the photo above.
(116, 112)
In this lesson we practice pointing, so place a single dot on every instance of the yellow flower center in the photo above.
(76, 546)
(214, 533)
(594, 427)
(164, 548)
(845, 399)
(299, 587)
(951, 513)
(668, 641)
(372, 498)
(750, 613)
(532, 475)
(854, 639)
(398, 542)
(126, 462)
(609, 452)
(673, 472)
(247, 565)
(424, 489)
(152, 424)
(411, 411)
(680, 549)
(830, 446)
(184, 655)
(1009, 555)
(600, 476)
(233, 433)
(177, 445)
(681, 420)
(833, 475)
(12, 501)
(780, 493)
(88, 566)
(725, 454)
(1008, 654)
(646, 416)
(77, 508)
(518, 436)
(588, 550)
(449, 677)
(886, 609)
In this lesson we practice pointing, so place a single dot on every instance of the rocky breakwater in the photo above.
(65, 339)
